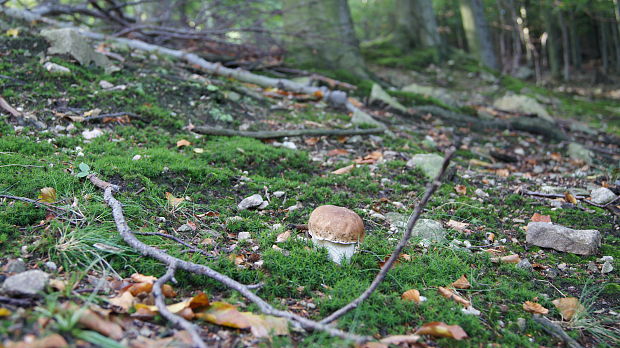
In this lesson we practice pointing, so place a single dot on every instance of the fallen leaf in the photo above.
(168, 291)
(141, 278)
(457, 225)
(475, 162)
(225, 314)
(50, 341)
(266, 325)
(139, 288)
(344, 170)
(400, 339)
(4, 312)
(461, 189)
(540, 218)
(534, 307)
(124, 301)
(371, 158)
(48, 195)
(199, 150)
(311, 141)
(412, 295)
(449, 294)
(174, 201)
(337, 152)
(514, 258)
(57, 284)
(568, 307)
(462, 283)
(183, 142)
(570, 198)
(13, 32)
(504, 173)
(95, 322)
(440, 329)
(198, 301)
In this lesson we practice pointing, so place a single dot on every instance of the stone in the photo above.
(51, 266)
(522, 104)
(279, 194)
(602, 195)
(523, 73)
(592, 267)
(377, 94)
(186, 228)
(360, 117)
(429, 163)
(434, 92)
(244, 236)
(580, 153)
(289, 145)
(56, 69)
(607, 267)
(15, 266)
(480, 193)
(399, 221)
(28, 283)
(136, 158)
(549, 235)
(105, 84)
(525, 264)
(92, 134)
(521, 324)
(581, 127)
(252, 201)
(430, 230)
(558, 190)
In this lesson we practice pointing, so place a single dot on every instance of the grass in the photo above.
(215, 181)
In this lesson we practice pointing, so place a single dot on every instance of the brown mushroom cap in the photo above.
(336, 224)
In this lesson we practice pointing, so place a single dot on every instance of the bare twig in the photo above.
(286, 133)
(556, 331)
(113, 115)
(413, 219)
(8, 108)
(47, 206)
(21, 165)
(178, 240)
(549, 195)
(132, 241)
(171, 317)
(16, 301)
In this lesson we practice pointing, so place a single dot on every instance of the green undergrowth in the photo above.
(213, 174)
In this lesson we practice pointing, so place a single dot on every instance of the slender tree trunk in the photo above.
(322, 36)
(553, 43)
(603, 46)
(616, 39)
(416, 25)
(565, 46)
(477, 32)
(575, 47)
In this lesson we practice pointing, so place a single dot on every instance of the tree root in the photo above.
(286, 133)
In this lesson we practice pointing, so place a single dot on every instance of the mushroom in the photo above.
(336, 228)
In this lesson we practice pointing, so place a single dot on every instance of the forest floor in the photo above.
(182, 184)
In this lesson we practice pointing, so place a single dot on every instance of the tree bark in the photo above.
(322, 36)
(565, 46)
(552, 42)
(477, 32)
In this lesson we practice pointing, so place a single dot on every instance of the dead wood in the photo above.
(129, 238)
(556, 331)
(413, 219)
(286, 133)
(171, 317)
(8, 108)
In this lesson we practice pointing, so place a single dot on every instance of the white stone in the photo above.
(244, 235)
(602, 195)
(55, 68)
(136, 158)
(92, 134)
(252, 201)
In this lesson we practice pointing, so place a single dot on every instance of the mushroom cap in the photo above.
(336, 224)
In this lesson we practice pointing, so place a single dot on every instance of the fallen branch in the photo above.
(430, 189)
(286, 133)
(556, 331)
(132, 241)
(549, 195)
(533, 125)
(49, 207)
(18, 302)
(178, 240)
(171, 317)
(8, 108)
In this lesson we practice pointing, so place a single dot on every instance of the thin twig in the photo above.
(286, 133)
(132, 241)
(48, 206)
(430, 189)
(16, 301)
(21, 165)
(171, 317)
(556, 331)
(178, 240)
(112, 115)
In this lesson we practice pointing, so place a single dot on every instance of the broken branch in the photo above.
(430, 189)
(286, 133)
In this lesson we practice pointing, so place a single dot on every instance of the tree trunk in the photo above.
(553, 42)
(477, 32)
(603, 46)
(416, 25)
(322, 36)
(575, 47)
(565, 46)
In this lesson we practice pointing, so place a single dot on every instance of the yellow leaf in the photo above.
(462, 283)
(174, 201)
(4, 312)
(568, 307)
(48, 195)
(412, 295)
(266, 325)
(12, 32)
(344, 170)
(124, 301)
(225, 314)
(183, 142)
(439, 329)
(141, 278)
(447, 293)
(199, 150)
(534, 307)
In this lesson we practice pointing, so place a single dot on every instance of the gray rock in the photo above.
(377, 94)
(578, 152)
(279, 194)
(429, 230)
(548, 235)
(602, 195)
(557, 190)
(525, 264)
(51, 266)
(592, 267)
(185, 228)
(434, 92)
(521, 324)
(522, 104)
(244, 235)
(429, 163)
(397, 220)
(607, 267)
(15, 266)
(28, 283)
(360, 117)
(56, 69)
(581, 127)
(250, 202)
(523, 73)
(289, 145)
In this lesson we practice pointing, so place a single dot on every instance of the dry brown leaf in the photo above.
(460, 189)
(124, 301)
(183, 142)
(50, 341)
(400, 339)
(95, 322)
(141, 278)
(514, 258)
(540, 218)
(266, 325)
(449, 294)
(168, 291)
(48, 195)
(570, 198)
(337, 152)
(173, 201)
(311, 141)
(139, 288)
(225, 314)
(568, 307)
(371, 158)
(534, 307)
(457, 225)
(58, 284)
(462, 283)
(412, 295)
(475, 162)
(440, 329)
(344, 170)
(504, 173)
